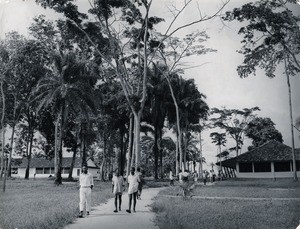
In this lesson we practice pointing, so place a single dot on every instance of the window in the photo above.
(14, 170)
(39, 170)
(297, 166)
(283, 166)
(245, 167)
(47, 171)
(78, 172)
(66, 170)
(262, 167)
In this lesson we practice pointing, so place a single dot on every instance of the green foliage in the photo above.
(233, 121)
(218, 138)
(272, 34)
(190, 101)
(262, 130)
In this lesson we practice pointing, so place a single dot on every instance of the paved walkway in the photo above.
(103, 216)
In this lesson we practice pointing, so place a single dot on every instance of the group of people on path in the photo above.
(185, 176)
(135, 185)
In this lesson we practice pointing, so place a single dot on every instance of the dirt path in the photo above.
(103, 216)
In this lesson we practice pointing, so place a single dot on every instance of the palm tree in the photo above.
(190, 108)
(220, 140)
(66, 88)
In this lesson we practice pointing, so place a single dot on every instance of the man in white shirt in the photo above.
(133, 183)
(86, 183)
(180, 176)
(171, 178)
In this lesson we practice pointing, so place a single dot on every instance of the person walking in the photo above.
(204, 176)
(195, 175)
(117, 189)
(180, 176)
(171, 178)
(86, 183)
(133, 183)
(213, 175)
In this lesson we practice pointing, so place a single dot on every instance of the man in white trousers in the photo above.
(86, 183)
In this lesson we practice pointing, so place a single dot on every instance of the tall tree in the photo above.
(199, 128)
(271, 39)
(66, 87)
(171, 54)
(191, 108)
(220, 140)
(155, 112)
(297, 124)
(136, 39)
(262, 130)
(113, 106)
(234, 122)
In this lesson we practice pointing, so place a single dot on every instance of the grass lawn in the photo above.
(175, 212)
(38, 204)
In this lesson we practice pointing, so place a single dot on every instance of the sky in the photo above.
(216, 77)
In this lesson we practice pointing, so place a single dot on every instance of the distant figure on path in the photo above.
(117, 189)
(213, 176)
(133, 183)
(180, 176)
(86, 183)
(204, 176)
(195, 175)
(171, 178)
(185, 175)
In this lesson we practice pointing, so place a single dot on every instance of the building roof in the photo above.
(46, 163)
(270, 151)
(16, 162)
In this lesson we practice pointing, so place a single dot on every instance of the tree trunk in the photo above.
(10, 151)
(130, 146)
(12, 136)
(185, 165)
(84, 156)
(3, 153)
(237, 147)
(161, 155)
(291, 120)
(122, 155)
(2, 129)
(177, 154)
(102, 170)
(56, 144)
(70, 176)
(200, 168)
(29, 155)
(58, 178)
(5, 174)
(155, 153)
(137, 134)
(161, 163)
(179, 137)
(220, 161)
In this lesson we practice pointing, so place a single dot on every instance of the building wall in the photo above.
(271, 174)
(32, 171)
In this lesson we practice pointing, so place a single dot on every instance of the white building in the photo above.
(43, 168)
(271, 160)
